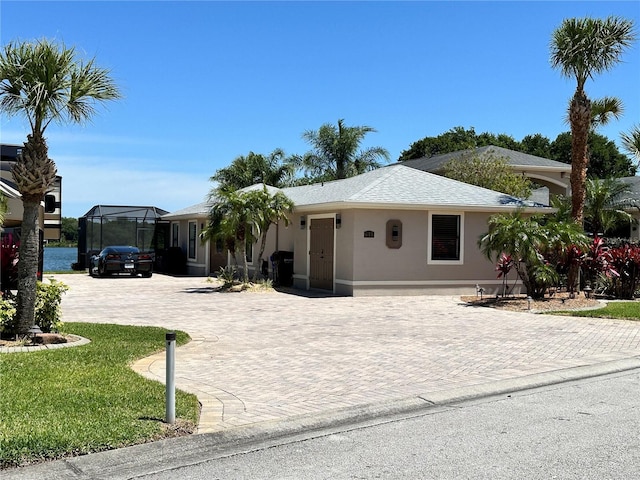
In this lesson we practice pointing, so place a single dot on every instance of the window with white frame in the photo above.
(192, 239)
(445, 238)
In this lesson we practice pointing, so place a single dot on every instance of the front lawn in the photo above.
(623, 310)
(73, 401)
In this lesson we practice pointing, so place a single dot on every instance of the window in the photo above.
(192, 239)
(445, 239)
(175, 237)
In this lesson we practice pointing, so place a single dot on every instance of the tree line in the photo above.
(605, 159)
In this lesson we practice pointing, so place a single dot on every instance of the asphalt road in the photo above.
(588, 429)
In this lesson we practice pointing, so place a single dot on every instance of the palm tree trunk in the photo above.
(263, 245)
(28, 264)
(580, 118)
(241, 241)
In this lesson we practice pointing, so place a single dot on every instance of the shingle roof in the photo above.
(394, 186)
(632, 197)
(515, 159)
(400, 186)
(194, 211)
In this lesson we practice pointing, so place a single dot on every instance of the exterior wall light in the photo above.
(338, 220)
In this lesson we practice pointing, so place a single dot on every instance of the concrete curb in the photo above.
(50, 346)
(146, 459)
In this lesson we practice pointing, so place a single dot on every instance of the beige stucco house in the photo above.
(394, 230)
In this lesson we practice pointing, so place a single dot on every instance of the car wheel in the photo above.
(101, 271)
(147, 274)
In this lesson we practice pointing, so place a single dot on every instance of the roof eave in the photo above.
(320, 207)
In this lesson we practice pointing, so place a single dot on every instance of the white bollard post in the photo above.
(170, 379)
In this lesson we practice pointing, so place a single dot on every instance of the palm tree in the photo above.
(270, 209)
(335, 152)
(240, 217)
(604, 204)
(631, 141)
(603, 110)
(528, 240)
(582, 48)
(255, 168)
(44, 82)
(231, 217)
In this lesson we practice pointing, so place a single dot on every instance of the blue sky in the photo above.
(204, 82)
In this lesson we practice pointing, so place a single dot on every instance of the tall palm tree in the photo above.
(44, 82)
(335, 152)
(580, 49)
(254, 168)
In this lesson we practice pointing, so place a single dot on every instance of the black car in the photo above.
(121, 259)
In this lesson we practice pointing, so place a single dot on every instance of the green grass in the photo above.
(71, 401)
(623, 310)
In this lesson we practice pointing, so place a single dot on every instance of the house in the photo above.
(394, 230)
(51, 212)
(186, 225)
(543, 172)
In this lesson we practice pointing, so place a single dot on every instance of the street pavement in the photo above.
(267, 363)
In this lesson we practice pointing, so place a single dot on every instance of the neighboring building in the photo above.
(51, 213)
(185, 228)
(546, 173)
(394, 230)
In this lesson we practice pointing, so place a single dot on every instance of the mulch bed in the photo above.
(519, 303)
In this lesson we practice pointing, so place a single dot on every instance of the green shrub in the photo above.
(228, 275)
(7, 311)
(48, 299)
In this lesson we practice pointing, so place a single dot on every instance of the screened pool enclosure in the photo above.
(106, 225)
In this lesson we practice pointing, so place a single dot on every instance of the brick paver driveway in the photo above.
(266, 356)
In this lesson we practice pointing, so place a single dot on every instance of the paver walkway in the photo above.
(268, 356)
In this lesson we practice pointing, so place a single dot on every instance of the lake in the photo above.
(59, 259)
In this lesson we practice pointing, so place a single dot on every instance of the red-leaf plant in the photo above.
(626, 261)
(503, 267)
(598, 260)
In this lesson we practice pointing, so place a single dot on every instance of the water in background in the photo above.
(59, 259)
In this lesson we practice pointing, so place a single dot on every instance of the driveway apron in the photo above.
(258, 357)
